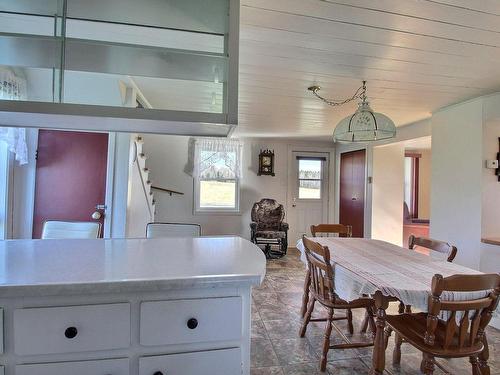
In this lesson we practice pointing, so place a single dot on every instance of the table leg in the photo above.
(378, 358)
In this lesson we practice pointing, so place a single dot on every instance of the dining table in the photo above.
(387, 271)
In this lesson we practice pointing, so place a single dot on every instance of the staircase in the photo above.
(139, 159)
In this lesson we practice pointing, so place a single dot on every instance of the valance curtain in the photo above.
(217, 158)
(13, 87)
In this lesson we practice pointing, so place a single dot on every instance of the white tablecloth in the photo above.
(363, 266)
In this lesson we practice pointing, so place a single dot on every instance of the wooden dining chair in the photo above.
(461, 334)
(322, 290)
(339, 230)
(434, 245)
(56, 229)
(163, 230)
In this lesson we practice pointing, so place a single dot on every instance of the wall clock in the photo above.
(266, 163)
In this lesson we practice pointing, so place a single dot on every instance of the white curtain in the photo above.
(13, 87)
(217, 158)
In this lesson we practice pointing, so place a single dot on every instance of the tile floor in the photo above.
(278, 350)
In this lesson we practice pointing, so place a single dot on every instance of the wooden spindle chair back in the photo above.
(325, 230)
(320, 270)
(435, 245)
(475, 313)
(322, 288)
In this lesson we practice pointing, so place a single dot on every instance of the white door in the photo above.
(308, 193)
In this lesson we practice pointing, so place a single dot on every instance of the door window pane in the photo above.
(310, 178)
(309, 189)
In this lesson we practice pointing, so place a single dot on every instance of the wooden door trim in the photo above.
(110, 177)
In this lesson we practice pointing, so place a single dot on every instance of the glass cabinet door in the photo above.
(31, 49)
(167, 55)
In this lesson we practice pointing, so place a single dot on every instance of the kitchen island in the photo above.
(130, 306)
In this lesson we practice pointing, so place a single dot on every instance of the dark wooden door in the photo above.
(70, 176)
(352, 191)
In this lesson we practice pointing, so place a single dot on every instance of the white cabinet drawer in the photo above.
(190, 321)
(215, 362)
(71, 329)
(103, 367)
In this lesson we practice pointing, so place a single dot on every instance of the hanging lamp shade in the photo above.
(364, 126)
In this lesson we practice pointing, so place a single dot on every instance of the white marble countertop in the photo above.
(42, 267)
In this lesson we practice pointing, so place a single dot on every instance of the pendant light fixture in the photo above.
(364, 125)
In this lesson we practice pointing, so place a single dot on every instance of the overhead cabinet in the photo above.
(172, 65)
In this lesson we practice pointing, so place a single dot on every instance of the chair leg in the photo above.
(371, 322)
(305, 296)
(396, 354)
(326, 340)
(350, 326)
(401, 308)
(474, 361)
(364, 325)
(484, 356)
(427, 365)
(307, 317)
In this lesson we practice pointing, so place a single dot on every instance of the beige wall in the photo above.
(388, 193)
(491, 185)
(456, 179)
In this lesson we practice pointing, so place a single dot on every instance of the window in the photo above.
(217, 175)
(310, 178)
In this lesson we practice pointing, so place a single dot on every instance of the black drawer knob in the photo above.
(192, 323)
(158, 373)
(71, 332)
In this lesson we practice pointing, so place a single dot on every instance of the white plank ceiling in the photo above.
(417, 56)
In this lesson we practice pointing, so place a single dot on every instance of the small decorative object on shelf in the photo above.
(266, 163)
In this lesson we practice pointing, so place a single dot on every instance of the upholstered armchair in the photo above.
(268, 227)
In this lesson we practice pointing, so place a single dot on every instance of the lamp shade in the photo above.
(364, 126)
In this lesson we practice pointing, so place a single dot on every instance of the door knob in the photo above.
(96, 215)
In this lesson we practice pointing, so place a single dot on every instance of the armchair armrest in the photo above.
(253, 226)
(284, 227)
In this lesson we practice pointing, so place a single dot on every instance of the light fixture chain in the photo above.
(359, 94)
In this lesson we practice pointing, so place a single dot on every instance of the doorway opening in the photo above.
(417, 186)
(70, 177)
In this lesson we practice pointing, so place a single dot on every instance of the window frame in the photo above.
(218, 210)
(198, 210)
